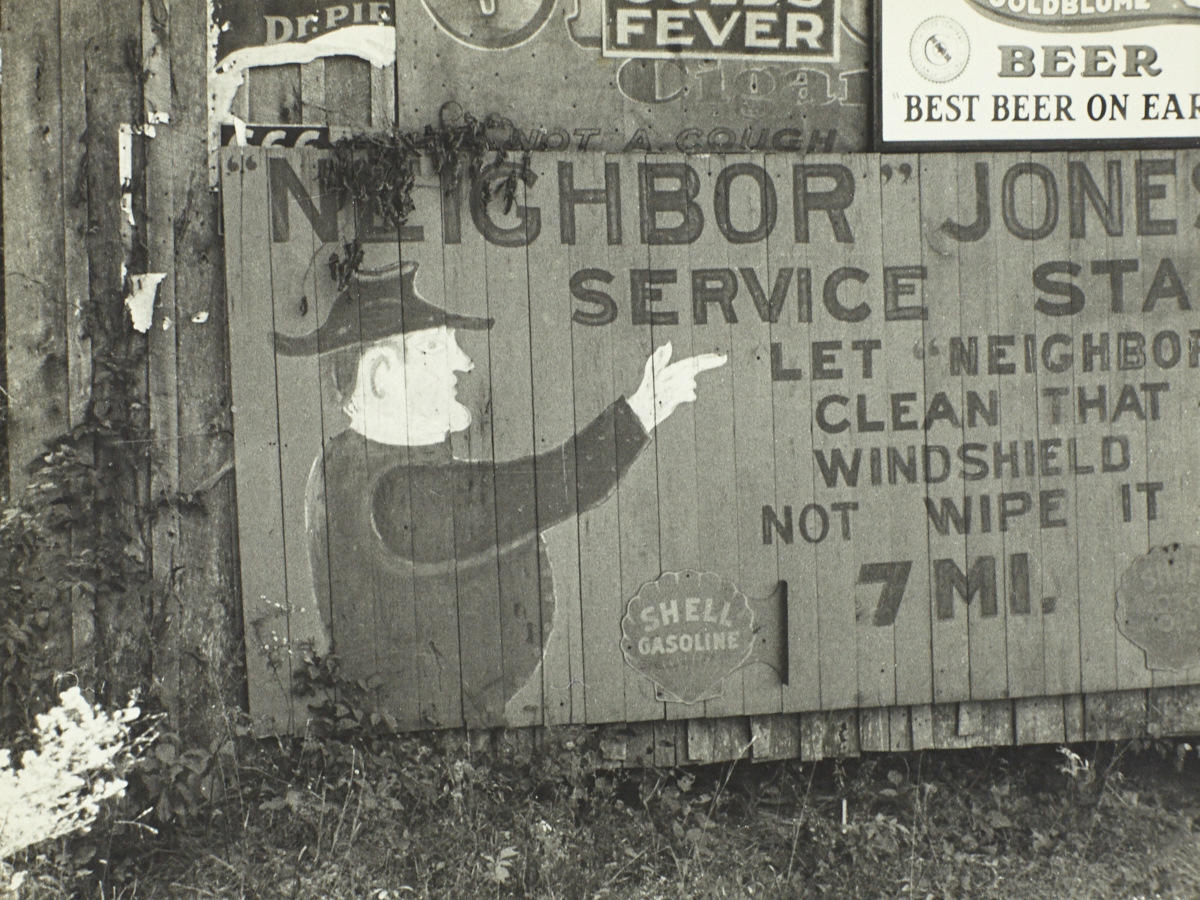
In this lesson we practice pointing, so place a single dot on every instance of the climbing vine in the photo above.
(379, 169)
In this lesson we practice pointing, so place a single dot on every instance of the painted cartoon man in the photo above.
(390, 512)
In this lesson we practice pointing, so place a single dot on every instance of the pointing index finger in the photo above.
(704, 361)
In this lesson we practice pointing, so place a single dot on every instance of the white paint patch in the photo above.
(239, 130)
(125, 169)
(374, 43)
(125, 133)
(140, 302)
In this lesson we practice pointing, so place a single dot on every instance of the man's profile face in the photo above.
(421, 380)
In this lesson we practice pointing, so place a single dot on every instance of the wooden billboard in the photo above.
(719, 436)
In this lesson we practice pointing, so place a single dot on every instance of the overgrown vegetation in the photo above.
(349, 812)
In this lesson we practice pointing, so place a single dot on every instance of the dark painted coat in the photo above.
(421, 560)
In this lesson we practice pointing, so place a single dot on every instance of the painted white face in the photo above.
(424, 388)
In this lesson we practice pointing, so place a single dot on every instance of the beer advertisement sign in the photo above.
(1038, 71)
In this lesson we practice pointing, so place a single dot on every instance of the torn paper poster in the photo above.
(250, 23)
(247, 34)
(140, 301)
(374, 43)
(252, 33)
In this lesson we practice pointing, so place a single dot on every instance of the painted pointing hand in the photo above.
(667, 384)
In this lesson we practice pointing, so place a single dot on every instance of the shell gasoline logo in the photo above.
(687, 632)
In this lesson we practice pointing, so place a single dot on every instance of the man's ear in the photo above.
(378, 361)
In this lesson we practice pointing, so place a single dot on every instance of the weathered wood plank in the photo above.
(1024, 569)
(1174, 711)
(676, 454)
(792, 443)
(1039, 720)
(34, 289)
(164, 396)
(256, 431)
(1114, 715)
(986, 612)
(873, 374)
(116, 214)
(553, 395)
(1073, 718)
(596, 386)
(1061, 489)
(899, 364)
(775, 737)
(76, 274)
(921, 721)
(670, 743)
(465, 283)
(273, 94)
(73, 36)
(293, 292)
(210, 621)
(942, 201)
(900, 730)
(700, 735)
(731, 739)
(1173, 455)
(754, 210)
(711, 421)
(383, 97)
(835, 236)
(987, 723)
(874, 730)
(639, 745)
(637, 492)
(314, 109)
(348, 92)
(521, 609)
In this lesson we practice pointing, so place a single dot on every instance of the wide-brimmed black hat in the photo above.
(378, 303)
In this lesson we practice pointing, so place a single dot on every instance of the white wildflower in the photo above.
(60, 786)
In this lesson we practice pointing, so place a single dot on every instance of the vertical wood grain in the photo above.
(942, 200)
(211, 621)
(601, 596)
(891, 368)
(256, 430)
(551, 367)
(712, 424)
(753, 421)
(77, 273)
(792, 440)
(465, 286)
(676, 454)
(512, 439)
(1059, 571)
(977, 302)
(35, 320)
(638, 492)
(1020, 421)
(901, 365)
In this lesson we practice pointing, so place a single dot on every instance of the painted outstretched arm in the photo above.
(507, 503)
(580, 474)
(665, 384)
